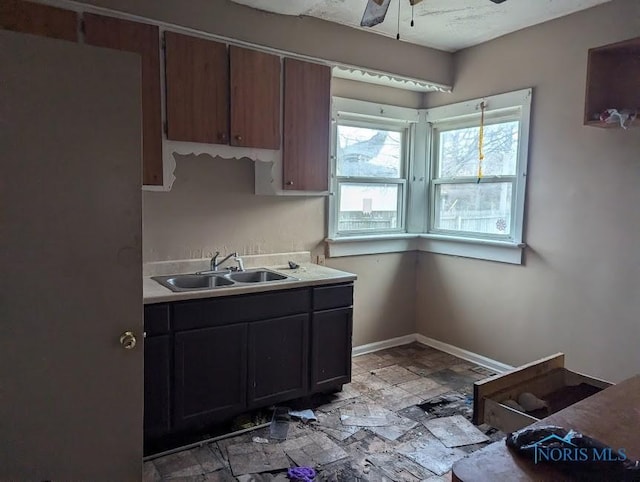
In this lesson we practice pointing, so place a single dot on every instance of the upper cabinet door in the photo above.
(38, 19)
(142, 39)
(197, 73)
(307, 99)
(255, 99)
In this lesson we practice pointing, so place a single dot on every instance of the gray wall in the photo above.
(579, 290)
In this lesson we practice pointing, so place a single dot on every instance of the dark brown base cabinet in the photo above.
(210, 359)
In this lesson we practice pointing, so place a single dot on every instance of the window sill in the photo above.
(373, 244)
(489, 250)
(501, 251)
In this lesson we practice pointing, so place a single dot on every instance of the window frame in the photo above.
(498, 108)
(353, 113)
(436, 180)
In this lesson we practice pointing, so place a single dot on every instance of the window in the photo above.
(407, 179)
(369, 172)
(470, 197)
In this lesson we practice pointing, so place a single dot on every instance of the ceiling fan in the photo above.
(376, 10)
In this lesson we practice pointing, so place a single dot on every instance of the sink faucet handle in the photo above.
(214, 261)
(238, 260)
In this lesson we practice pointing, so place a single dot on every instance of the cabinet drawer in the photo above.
(156, 319)
(546, 378)
(334, 296)
(227, 310)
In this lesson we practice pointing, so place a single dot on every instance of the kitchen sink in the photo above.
(256, 276)
(189, 282)
(220, 279)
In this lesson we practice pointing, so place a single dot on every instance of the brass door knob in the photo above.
(128, 340)
(289, 183)
(238, 138)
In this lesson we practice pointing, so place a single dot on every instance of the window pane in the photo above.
(363, 152)
(475, 208)
(458, 150)
(365, 207)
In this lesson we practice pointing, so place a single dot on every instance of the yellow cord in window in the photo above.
(481, 141)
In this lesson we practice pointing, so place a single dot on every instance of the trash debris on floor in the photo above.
(448, 404)
(313, 450)
(253, 458)
(397, 467)
(280, 423)
(330, 424)
(405, 417)
(301, 474)
(364, 415)
(304, 415)
(398, 426)
(455, 431)
(431, 454)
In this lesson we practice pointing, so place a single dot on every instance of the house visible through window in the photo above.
(370, 174)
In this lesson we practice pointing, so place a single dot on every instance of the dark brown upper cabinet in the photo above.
(197, 80)
(220, 96)
(255, 98)
(307, 101)
(39, 19)
(143, 39)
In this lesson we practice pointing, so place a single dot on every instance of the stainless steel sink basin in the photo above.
(218, 279)
(190, 282)
(256, 276)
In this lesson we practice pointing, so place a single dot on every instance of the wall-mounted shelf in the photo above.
(612, 81)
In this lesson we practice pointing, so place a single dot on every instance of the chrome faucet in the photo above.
(215, 263)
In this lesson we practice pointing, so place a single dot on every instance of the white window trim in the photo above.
(418, 204)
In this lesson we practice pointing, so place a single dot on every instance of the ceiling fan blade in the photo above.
(498, 1)
(416, 2)
(374, 13)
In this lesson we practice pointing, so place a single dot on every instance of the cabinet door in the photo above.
(157, 363)
(142, 39)
(38, 19)
(197, 80)
(210, 374)
(278, 359)
(307, 99)
(331, 349)
(255, 98)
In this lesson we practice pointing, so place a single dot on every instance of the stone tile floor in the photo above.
(374, 430)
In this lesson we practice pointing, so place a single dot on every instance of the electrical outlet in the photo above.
(320, 259)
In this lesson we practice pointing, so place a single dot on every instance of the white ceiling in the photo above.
(443, 24)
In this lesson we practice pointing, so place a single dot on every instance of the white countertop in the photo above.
(308, 274)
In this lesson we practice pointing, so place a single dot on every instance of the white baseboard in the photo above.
(481, 360)
(382, 345)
